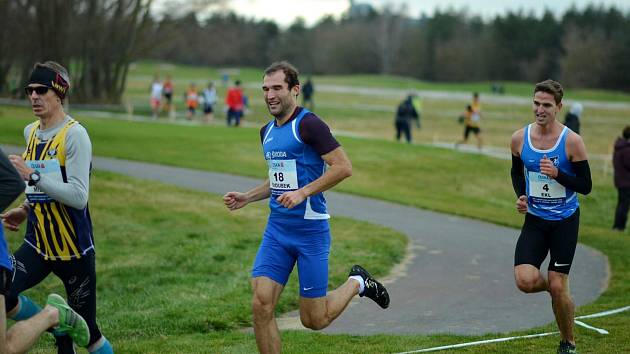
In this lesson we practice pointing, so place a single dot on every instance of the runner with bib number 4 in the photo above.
(549, 168)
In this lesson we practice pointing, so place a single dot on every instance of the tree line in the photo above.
(583, 48)
(95, 39)
(98, 39)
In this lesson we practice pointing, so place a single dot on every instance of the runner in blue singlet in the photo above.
(549, 168)
(297, 146)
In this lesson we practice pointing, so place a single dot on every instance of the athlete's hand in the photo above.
(521, 204)
(291, 199)
(235, 200)
(20, 166)
(547, 168)
(13, 218)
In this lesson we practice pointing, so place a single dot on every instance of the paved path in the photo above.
(457, 278)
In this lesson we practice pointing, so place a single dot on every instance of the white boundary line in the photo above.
(604, 313)
(468, 344)
(598, 330)
(496, 340)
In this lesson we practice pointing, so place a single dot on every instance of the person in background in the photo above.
(308, 90)
(156, 96)
(621, 163)
(235, 104)
(209, 96)
(572, 119)
(416, 101)
(405, 113)
(192, 100)
(167, 90)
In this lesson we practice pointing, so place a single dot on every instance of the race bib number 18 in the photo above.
(283, 175)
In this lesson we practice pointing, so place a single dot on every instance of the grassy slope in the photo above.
(425, 177)
(172, 268)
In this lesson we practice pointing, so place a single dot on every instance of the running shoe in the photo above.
(372, 289)
(566, 348)
(70, 322)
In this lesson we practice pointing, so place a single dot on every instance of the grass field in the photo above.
(471, 185)
(170, 268)
(371, 115)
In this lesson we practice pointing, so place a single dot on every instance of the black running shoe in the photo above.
(566, 348)
(373, 289)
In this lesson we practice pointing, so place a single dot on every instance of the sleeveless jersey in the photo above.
(5, 260)
(546, 198)
(292, 165)
(56, 231)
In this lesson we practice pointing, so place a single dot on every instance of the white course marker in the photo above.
(598, 330)
(468, 344)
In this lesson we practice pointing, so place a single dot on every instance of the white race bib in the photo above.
(282, 175)
(542, 186)
(49, 168)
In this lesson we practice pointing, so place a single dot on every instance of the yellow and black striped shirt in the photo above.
(55, 230)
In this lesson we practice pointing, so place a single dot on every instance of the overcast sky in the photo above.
(284, 12)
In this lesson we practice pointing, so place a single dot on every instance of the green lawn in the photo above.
(174, 263)
(372, 115)
(438, 179)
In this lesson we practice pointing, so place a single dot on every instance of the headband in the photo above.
(47, 77)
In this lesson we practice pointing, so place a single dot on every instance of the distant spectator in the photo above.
(156, 96)
(416, 101)
(192, 100)
(209, 96)
(307, 95)
(167, 90)
(404, 115)
(621, 163)
(572, 119)
(472, 122)
(235, 104)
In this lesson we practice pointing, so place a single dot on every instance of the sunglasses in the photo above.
(39, 90)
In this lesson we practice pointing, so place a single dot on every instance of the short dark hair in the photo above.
(626, 132)
(551, 87)
(290, 72)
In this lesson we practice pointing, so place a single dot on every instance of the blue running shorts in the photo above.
(286, 241)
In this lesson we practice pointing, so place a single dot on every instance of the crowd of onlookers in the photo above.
(196, 100)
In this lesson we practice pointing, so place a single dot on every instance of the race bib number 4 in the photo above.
(283, 175)
(48, 168)
(545, 189)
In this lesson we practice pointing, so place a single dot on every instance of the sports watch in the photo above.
(34, 178)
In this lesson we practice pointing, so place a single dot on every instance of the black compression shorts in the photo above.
(539, 237)
(6, 277)
(468, 130)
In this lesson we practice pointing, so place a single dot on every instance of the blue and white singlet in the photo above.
(292, 165)
(546, 198)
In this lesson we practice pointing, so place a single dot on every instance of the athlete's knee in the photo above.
(315, 324)
(314, 321)
(527, 283)
(558, 288)
(262, 307)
